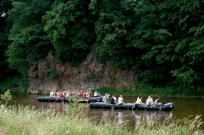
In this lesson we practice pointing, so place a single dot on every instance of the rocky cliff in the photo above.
(90, 74)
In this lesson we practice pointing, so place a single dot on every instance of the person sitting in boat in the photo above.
(113, 100)
(105, 98)
(108, 100)
(74, 95)
(58, 93)
(140, 95)
(87, 94)
(52, 94)
(120, 100)
(149, 101)
(138, 101)
(80, 94)
(68, 94)
(62, 94)
(157, 102)
(84, 94)
(96, 93)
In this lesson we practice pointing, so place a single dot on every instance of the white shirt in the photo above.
(138, 101)
(96, 94)
(120, 100)
(115, 98)
(149, 100)
(87, 95)
(104, 100)
(67, 94)
(52, 94)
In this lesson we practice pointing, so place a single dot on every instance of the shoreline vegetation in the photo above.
(146, 90)
(17, 119)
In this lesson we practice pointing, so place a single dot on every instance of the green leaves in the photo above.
(163, 39)
(28, 40)
(52, 73)
(69, 26)
(6, 96)
(156, 37)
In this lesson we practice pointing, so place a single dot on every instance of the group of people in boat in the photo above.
(112, 100)
(106, 98)
(149, 101)
(67, 93)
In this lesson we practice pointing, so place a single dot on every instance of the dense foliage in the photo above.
(163, 39)
(6, 72)
(70, 27)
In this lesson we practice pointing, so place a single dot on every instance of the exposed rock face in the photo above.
(89, 75)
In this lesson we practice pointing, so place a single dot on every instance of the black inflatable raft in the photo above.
(71, 99)
(96, 99)
(165, 107)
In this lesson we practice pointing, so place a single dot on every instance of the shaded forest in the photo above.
(163, 40)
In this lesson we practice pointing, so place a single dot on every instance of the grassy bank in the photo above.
(18, 120)
(147, 90)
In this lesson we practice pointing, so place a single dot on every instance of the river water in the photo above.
(183, 108)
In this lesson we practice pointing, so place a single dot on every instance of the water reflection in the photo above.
(150, 116)
(120, 117)
(131, 116)
(55, 106)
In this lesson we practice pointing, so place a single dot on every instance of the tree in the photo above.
(70, 27)
(161, 38)
(29, 42)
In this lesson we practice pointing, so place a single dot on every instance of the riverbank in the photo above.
(28, 120)
(146, 90)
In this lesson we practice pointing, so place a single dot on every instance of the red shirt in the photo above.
(80, 94)
(62, 95)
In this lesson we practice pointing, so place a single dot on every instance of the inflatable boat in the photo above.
(165, 107)
(70, 99)
(95, 99)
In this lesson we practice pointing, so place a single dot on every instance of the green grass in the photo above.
(19, 120)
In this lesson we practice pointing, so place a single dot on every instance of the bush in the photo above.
(6, 96)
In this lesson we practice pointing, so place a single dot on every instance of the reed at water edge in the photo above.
(18, 120)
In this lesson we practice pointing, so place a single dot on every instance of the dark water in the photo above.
(183, 109)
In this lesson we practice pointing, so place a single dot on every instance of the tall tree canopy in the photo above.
(5, 6)
(70, 28)
(29, 42)
(163, 39)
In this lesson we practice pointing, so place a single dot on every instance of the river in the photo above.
(183, 108)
